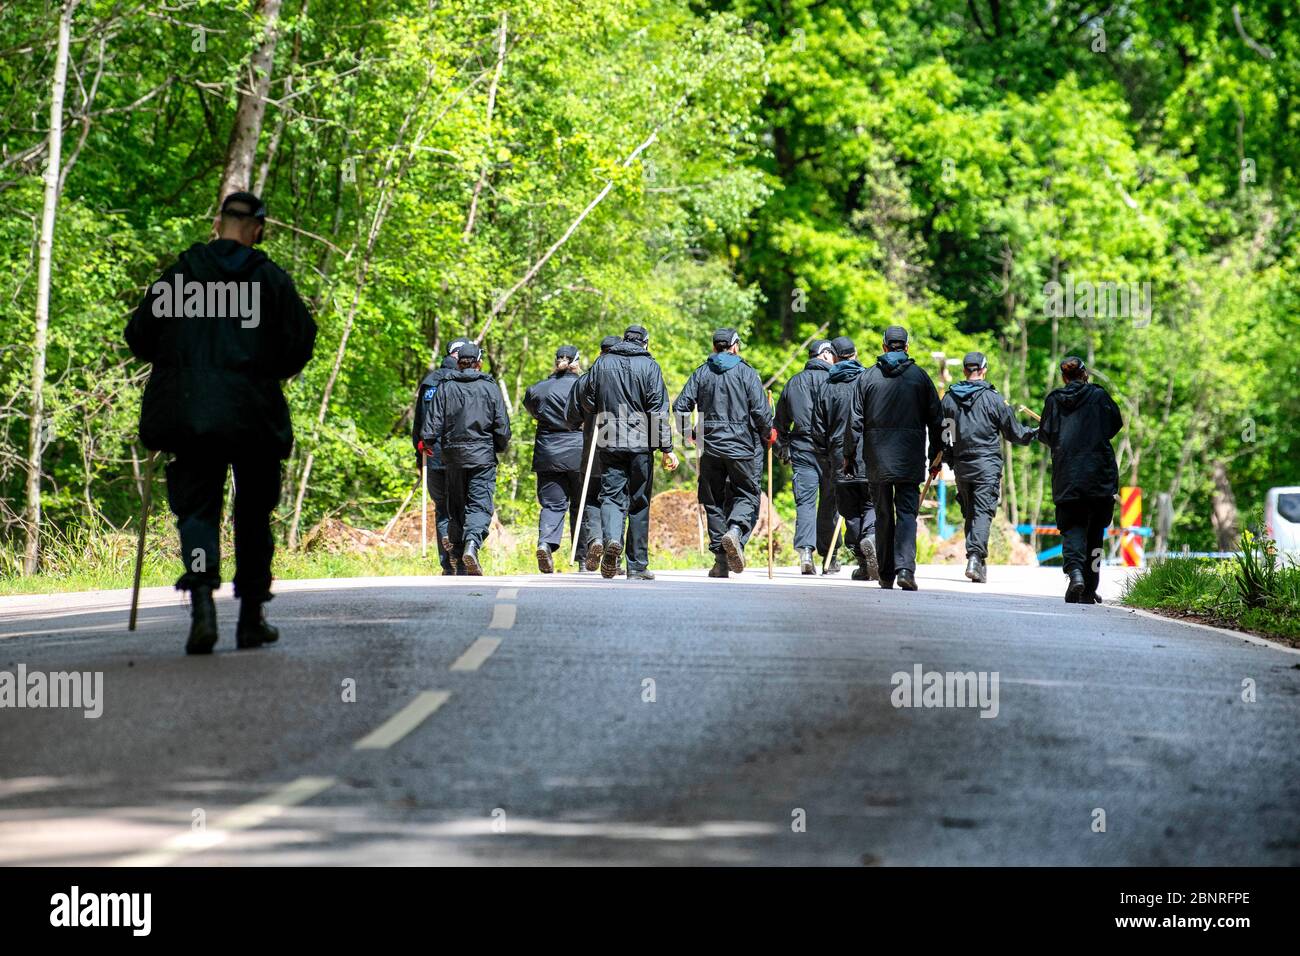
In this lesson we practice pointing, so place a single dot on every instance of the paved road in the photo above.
(506, 720)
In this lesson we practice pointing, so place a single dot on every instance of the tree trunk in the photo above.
(238, 172)
(1223, 514)
(45, 248)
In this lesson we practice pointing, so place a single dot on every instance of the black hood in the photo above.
(450, 362)
(628, 348)
(816, 363)
(220, 260)
(469, 375)
(1075, 394)
(845, 371)
(965, 393)
(894, 364)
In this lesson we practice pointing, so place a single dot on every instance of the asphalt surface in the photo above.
(771, 737)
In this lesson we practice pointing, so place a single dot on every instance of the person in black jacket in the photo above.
(557, 458)
(975, 420)
(435, 474)
(895, 405)
(832, 416)
(1078, 424)
(814, 475)
(591, 504)
(624, 393)
(222, 327)
(469, 425)
(735, 424)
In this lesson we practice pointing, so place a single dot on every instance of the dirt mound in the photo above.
(677, 521)
(334, 536)
(1005, 547)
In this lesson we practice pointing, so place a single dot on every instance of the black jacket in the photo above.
(894, 406)
(468, 420)
(557, 446)
(215, 381)
(831, 417)
(734, 417)
(624, 393)
(797, 404)
(1078, 423)
(976, 419)
(429, 386)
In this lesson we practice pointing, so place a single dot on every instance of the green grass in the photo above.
(1257, 592)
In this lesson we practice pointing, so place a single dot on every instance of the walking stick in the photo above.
(835, 544)
(699, 524)
(770, 510)
(424, 505)
(146, 499)
(586, 478)
(928, 481)
(1028, 411)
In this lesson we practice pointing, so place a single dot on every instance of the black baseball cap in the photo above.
(567, 351)
(608, 342)
(636, 333)
(817, 346)
(256, 208)
(974, 360)
(470, 351)
(726, 338)
(843, 346)
(457, 345)
(895, 335)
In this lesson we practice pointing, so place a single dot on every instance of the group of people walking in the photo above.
(860, 439)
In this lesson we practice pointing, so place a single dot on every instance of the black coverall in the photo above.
(435, 472)
(734, 423)
(976, 419)
(1078, 423)
(557, 460)
(219, 352)
(895, 406)
(469, 425)
(624, 394)
(814, 474)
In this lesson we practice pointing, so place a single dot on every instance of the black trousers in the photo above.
(196, 485)
(1082, 522)
(626, 486)
(559, 493)
(855, 504)
(897, 505)
(814, 501)
(979, 503)
(470, 493)
(729, 490)
(436, 481)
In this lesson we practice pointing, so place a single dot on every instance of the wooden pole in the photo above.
(146, 499)
(835, 544)
(1027, 411)
(424, 505)
(586, 478)
(929, 479)
(771, 510)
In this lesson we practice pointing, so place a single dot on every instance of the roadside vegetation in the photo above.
(1258, 591)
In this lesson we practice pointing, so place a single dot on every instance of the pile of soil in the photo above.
(676, 520)
(334, 536)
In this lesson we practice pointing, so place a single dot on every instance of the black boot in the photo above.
(906, 579)
(862, 572)
(806, 565)
(719, 569)
(834, 566)
(975, 569)
(469, 558)
(867, 549)
(545, 562)
(252, 630)
(1074, 590)
(735, 549)
(594, 550)
(612, 551)
(203, 621)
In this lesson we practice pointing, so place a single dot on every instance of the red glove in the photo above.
(419, 445)
(772, 437)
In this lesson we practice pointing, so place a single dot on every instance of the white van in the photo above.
(1282, 517)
